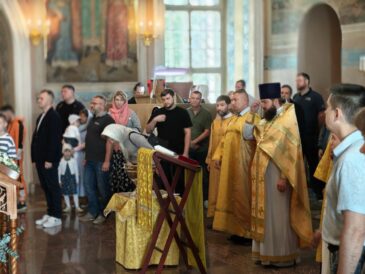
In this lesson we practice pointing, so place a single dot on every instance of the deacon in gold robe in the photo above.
(234, 157)
(217, 131)
(281, 218)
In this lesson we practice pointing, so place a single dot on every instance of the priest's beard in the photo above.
(270, 113)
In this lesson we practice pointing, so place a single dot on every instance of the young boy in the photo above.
(7, 145)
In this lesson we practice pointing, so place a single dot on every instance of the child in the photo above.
(7, 145)
(85, 117)
(68, 176)
(72, 134)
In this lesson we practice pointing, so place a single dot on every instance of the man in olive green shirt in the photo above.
(201, 120)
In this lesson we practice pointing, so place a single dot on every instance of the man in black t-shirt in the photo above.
(174, 127)
(312, 106)
(97, 162)
(173, 124)
(69, 105)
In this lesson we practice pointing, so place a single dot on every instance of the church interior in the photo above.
(99, 47)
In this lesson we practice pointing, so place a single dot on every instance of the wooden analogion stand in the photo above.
(8, 210)
(165, 213)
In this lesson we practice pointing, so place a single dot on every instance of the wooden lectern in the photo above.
(164, 214)
(8, 209)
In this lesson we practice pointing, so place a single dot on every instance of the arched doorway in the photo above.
(319, 47)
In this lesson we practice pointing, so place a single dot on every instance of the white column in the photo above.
(256, 47)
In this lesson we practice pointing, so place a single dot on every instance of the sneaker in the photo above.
(99, 220)
(66, 210)
(43, 220)
(87, 218)
(22, 207)
(79, 210)
(52, 222)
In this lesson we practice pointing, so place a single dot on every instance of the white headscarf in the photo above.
(129, 143)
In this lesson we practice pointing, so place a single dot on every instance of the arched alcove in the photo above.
(319, 47)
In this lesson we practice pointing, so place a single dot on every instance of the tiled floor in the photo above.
(79, 248)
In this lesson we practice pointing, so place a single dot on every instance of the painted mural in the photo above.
(91, 41)
(287, 14)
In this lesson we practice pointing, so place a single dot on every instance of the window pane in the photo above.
(176, 39)
(205, 39)
(213, 80)
(176, 2)
(179, 78)
(204, 2)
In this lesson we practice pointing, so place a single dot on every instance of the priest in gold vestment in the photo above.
(234, 157)
(217, 132)
(281, 218)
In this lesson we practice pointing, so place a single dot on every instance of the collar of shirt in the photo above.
(348, 141)
(279, 110)
(243, 112)
(229, 114)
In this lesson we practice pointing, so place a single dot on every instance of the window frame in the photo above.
(221, 8)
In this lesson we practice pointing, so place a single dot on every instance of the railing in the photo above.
(8, 219)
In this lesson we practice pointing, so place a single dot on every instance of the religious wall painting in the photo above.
(286, 15)
(91, 41)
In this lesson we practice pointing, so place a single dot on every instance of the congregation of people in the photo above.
(260, 160)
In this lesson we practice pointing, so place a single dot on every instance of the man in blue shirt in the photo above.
(344, 217)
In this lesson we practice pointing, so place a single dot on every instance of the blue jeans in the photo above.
(96, 183)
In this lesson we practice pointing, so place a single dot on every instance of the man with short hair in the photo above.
(17, 131)
(173, 124)
(312, 105)
(281, 217)
(233, 158)
(343, 226)
(97, 162)
(46, 154)
(217, 131)
(240, 84)
(286, 93)
(201, 120)
(69, 105)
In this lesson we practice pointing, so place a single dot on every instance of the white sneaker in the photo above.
(52, 222)
(43, 220)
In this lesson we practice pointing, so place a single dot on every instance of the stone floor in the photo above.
(79, 248)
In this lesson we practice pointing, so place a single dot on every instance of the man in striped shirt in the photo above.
(7, 145)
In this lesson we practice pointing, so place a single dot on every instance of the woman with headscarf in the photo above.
(124, 116)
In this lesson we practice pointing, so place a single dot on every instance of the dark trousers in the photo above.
(48, 179)
(334, 260)
(310, 150)
(170, 170)
(201, 156)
